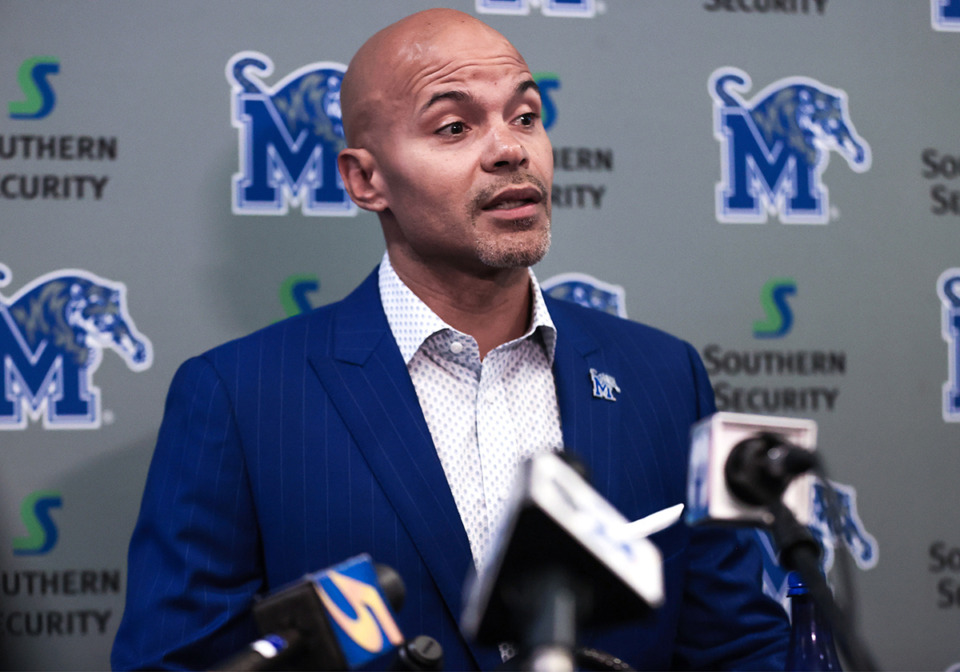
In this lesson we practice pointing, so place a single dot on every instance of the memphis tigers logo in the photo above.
(588, 291)
(574, 8)
(775, 147)
(945, 14)
(948, 288)
(290, 135)
(861, 545)
(52, 336)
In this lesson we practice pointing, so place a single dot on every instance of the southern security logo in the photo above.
(290, 135)
(779, 316)
(948, 289)
(774, 378)
(775, 147)
(39, 97)
(43, 601)
(945, 15)
(767, 7)
(582, 193)
(569, 8)
(52, 336)
(45, 167)
(42, 532)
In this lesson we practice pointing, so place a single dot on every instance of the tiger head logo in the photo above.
(52, 336)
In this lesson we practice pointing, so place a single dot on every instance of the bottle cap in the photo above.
(797, 584)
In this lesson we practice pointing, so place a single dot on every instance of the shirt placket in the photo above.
(497, 438)
(459, 355)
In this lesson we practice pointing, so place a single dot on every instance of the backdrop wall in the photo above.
(775, 181)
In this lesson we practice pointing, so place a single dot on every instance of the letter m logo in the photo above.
(290, 135)
(945, 14)
(52, 336)
(43, 382)
(775, 147)
(948, 288)
(572, 8)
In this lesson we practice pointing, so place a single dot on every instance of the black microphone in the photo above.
(760, 468)
(753, 470)
(335, 619)
(565, 559)
(740, 464)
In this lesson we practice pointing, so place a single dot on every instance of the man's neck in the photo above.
(494, 308)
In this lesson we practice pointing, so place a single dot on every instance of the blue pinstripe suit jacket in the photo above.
(293, 448)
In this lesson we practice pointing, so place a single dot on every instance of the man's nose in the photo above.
(506, 150)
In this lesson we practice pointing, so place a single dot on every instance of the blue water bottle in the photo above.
(811, 639)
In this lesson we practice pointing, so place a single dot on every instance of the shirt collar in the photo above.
(412, 322)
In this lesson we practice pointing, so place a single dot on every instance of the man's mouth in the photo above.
(514, 197)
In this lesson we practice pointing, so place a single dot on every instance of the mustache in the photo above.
(486, 193)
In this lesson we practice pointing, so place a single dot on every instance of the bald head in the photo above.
(388, 64)
(445, 144)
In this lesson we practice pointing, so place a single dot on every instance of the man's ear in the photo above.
(361, 178)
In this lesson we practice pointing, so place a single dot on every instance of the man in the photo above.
(393, 421)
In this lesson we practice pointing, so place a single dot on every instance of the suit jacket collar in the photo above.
(367, 381)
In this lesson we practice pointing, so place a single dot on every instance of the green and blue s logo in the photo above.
(42, 533)
(39, 97)
(779, 316)
(547, 82)
(295, 293)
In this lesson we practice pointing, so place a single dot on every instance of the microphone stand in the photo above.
(551, 604)
(549, 642)
(758, 471)
(799, 551)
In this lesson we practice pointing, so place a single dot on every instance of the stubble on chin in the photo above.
(527, 244)
(514, 250)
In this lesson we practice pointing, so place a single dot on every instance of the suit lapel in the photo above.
(367, 381)
(591, 426)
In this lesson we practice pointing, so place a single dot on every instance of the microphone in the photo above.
(741, 464)
(754, 470)
(336, 619)
(565, 558)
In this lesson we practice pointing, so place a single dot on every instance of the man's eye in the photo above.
(527, 119)
(456, 128)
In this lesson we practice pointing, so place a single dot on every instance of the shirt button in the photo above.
(456, 347)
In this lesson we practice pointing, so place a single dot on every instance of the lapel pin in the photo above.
(604, 385)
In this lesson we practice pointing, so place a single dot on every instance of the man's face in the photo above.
(465, 162)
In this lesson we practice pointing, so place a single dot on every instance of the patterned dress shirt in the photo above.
(485, 417)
